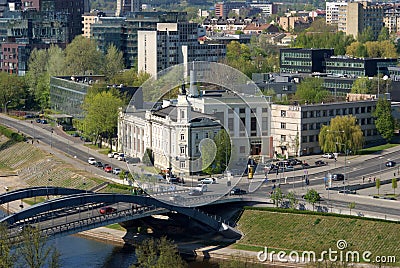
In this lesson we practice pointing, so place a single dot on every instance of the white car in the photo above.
(116, 171)
(328, 155)
(92, 160)
(208, 181)
(112, 155)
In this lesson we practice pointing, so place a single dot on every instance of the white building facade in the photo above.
(295, 128)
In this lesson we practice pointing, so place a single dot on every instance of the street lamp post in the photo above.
(5, 106)
(380, 167)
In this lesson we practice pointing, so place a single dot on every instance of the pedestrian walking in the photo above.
(363, 178)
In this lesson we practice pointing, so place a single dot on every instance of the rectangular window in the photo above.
(304, 139)
(304, 114)
(304, 127)
(242, 110)
(230, 124)
(183, 164)
(182, 150)
(337, 111)
(242, 149)
(283, 113)
(311, 138)
(283, 138)
(283, 125)
(182, 137)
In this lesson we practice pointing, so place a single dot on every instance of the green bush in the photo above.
(11, 134)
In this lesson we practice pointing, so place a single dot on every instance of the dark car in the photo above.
(337, 177)
(195, 192)
(320, 163)
(38, 120)
(347, 191)
(107, 210)
(237, 191)
(294, 162)
(305, 165)
(99, 164)
(43, 121)
(390, 163)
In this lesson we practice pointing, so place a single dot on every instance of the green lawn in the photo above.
(377, 149)
(302, 232)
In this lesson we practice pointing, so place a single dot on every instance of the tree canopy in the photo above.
(342, 134)
(311, 90)
(372, 49)
(384, 121)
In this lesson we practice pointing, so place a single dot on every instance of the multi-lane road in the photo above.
(371, 166)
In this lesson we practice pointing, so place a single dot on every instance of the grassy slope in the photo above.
(300, 232)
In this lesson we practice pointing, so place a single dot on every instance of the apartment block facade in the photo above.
(174, 43)
(295, 128)
(357, 16)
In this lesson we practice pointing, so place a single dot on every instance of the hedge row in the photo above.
(11, 134)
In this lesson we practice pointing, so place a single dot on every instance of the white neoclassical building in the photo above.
(174, 131)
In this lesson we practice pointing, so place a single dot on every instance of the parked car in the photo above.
(43, 121)
(116, 171)
(337, 177)
(99, 164)
(390, 163)
(112, 154)
(305, 165)
(328, 155)
(347, 191)
(107, 210)
(108, 169)
(208, 181)
(38, 120)
(121, 157)
(195, 192)
(117, 154)
(320, 163)
(237, 191)
(92, 160)
(201, 188)
(294, 162)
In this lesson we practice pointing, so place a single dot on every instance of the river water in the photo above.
(86, 253)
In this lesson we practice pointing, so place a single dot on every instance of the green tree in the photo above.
(113, 62)
(82, 56)
(394, 185)
(366, 35)
(208, 150)
(351, 206)
(362, 85)
(101, 107)
(7, 256)
(277, 196)
(378, 184)
(55, 61)
(384, 34)
(342, 134)
(13, 90)
(35, 251)
(384, 121)
(312, 197)
(311, 90)
(291, 197)
(223, 154)
(356, 49)
(158, 253)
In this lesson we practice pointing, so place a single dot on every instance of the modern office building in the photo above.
(332, 11)
(37, 24)
(357, 16)
(303, 60)
(67, 93)
(125, 6)
(123, 31)
(174, 43)
(295, 128)
(357, 67)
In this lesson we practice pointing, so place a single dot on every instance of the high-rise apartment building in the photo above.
(174, 43)
(332, 11)
(391, 18)
(357, 16)
(124, 6)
